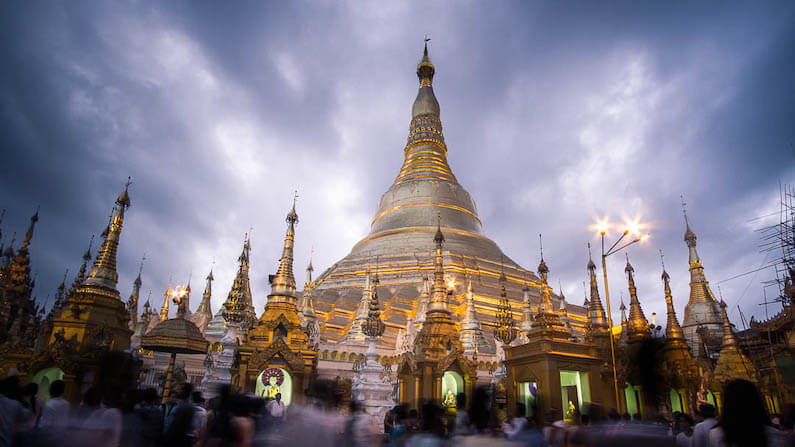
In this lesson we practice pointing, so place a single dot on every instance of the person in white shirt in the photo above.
(701, 430)
(199, 415)
(512, 427)
(13, 415)
(55, 414)
(276, 408)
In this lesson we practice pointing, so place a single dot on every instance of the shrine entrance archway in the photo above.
(452, 384)
(44, 378)
(275, 380)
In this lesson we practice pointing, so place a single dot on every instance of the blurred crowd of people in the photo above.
(137, 418)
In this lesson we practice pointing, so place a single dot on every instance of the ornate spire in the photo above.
(471, 332)
(637, 325)
(702, 309)
(31, 227)
(543, 271)
(164, 308)
(356, 331)
(205, 304)
(422, 305)
(81, 274)
(505, 331)
(103, 274)
(438, 302)
(728, 334)
(425, 152)
(283, 282)
(373, 326)
(60, 295)
(673, 331)
(732, 362)
(201, 318)
(547, 320)
(596, 313)
(307, 306)
(132, 302)
(238, 307)
(527, 311)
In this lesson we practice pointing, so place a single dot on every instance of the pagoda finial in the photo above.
(283, 282)
(673, 331)
(29, 234)
(637, 324)
(728, 334)
(596, 313)
(543, 270)
(425, 69)
(438, 301)
(103, 273)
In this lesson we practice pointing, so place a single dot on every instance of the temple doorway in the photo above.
(274, 381)
(528, 395)
(452, 384)
(575, 390)
(632, 396)
(677, 401)
(44, 379)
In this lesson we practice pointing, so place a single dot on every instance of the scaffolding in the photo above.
(779, 241)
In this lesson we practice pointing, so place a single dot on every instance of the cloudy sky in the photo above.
(555, 114)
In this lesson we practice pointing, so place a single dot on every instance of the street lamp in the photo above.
(615, 248)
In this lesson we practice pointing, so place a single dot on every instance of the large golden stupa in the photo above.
(400, 245)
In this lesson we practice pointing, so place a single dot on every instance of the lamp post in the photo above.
(612, 250)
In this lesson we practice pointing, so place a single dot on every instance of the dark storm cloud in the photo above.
(554, 114)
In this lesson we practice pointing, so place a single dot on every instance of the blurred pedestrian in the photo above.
(180, 427)
(683, 430)
(277, 409)
(168, 410)
(554, 428)
(198, 426)
(701, 430)
(13, 415)
(55, 414)
(744, 421)
(463, 426)
(150, 417)
(32, 402)
(432, 432)
(515, 424)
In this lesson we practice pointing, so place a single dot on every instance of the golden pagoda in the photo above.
(93, 319)
(680, 368)
(401, 238)
(732, 363)
(437, 368)
(275, 356)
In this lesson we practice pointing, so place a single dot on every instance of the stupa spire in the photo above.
(356, 331)
(527, 312)
(205, 304)
(283, 282)
(471, 333)
(596, 313)
(238, 307)
(164, 307)
(425, 152)
(132, 301)
(673, 331)
(702, 309)
(505, 331)
(307, 306)
(438, 302)
(201, 318)
(637, 324)
(81, 273)
(103, 273)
